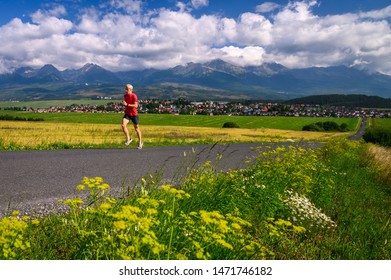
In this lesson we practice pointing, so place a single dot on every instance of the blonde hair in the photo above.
(129, 86)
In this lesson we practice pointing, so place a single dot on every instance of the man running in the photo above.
(131, 104)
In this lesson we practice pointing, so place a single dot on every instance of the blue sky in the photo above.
(135, 34)
(10, 9)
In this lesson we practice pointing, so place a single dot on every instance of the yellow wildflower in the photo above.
(104, 207)
(120, 225)
(151, 211)
(103, 187)
(224, 244)
(80, 187)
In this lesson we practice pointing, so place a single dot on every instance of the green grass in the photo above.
(293, 203)
(381, 123)
(53, 103)
(378, 132)
(286, 123)
(360, 204)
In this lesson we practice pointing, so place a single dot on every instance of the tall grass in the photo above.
(18, 135)
(381, 159)
(361, 202)
(293, 203)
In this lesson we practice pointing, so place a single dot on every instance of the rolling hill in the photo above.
(349, 100)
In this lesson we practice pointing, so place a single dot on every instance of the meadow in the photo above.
(99, 130)
(251, 122)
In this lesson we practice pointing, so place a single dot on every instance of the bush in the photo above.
(344, 127)
(230, 125)
(325, 126)
(381, 136)
(312, 127)
(330, 126)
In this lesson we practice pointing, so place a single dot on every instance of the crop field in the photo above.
(103, 130)
(385, 123)
(251, 122)
(15, 135)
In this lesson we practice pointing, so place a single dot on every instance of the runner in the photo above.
(131, 104)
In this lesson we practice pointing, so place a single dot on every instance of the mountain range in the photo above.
(216, 80)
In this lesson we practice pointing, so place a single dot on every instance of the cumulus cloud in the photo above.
(267, 7)
(123, 35)
(55, 11)
(378, 14)
(301, 39)
(247, 56)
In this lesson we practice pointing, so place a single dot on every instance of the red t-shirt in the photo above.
(130, 99)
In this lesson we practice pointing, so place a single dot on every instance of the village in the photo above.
(246, 108)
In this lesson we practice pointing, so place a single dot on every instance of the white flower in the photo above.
(303, 210)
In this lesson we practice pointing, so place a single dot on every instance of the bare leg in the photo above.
(138, 131)
(125, 128)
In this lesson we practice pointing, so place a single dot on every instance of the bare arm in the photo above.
(134, 105)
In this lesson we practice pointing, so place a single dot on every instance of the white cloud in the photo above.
(130, 6)
(181, 6)
(56, 11)
(296, 12)
(267, 7)
(253, 30)
(122, 35)
(302, 39)
(199, 3)
(378, 14)
(248, 56)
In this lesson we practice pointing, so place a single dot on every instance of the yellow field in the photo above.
(35, 134)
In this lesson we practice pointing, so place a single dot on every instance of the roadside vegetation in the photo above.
(378, 132)
(293, 204)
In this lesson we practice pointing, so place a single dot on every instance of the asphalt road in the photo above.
(360, 132)
(35, 177)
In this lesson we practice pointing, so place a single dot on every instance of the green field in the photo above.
(384, 123)
(53, 103)
(286, 123)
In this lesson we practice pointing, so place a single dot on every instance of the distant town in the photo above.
(247, 108)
